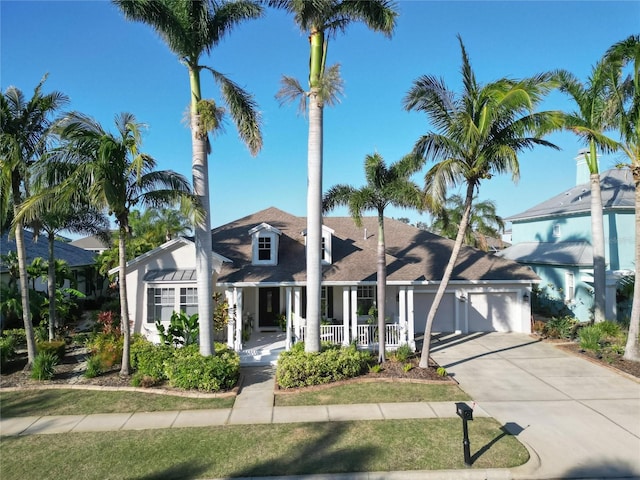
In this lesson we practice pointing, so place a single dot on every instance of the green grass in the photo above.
(22, 403)
(374, 393)
(259, 450)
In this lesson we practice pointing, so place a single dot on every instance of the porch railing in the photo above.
(366, 334)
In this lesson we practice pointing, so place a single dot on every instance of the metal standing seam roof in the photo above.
(74, 256)
(180, 275)
(617, 188)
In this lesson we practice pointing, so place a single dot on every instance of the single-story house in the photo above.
(260, 266)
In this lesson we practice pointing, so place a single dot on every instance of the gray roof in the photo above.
(74, 256)
(92, 242)
(413, 255)
(186, 275)
(618, 192)
(561, 253)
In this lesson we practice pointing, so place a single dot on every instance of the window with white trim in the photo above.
(264, 244)
(569, 287)
(366, 299)
(161, 303)
(189, 300)
(556, 231)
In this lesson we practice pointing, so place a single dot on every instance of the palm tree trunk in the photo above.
(464, 221)
(599, 265)
(24, 291)
(51, 287)
(632, 349)
(124, 305)
(314, 222)
(381, 289)
(202, 225)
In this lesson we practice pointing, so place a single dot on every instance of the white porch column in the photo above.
(289, 303)
(354, 312)
(237, 292)
(411, 320)
(233, 318)
(402, 314)
(346, 315)
(297, 303)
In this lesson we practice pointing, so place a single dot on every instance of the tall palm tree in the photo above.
(321, 19)
(589, 122)
(626, 95)
(191, 29)
(24, 138)
(479, 133)
(116, 177)
(484, 222)
(386, 186)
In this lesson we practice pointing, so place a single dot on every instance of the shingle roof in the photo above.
(617, 193)
(561, 253)
(413, 255)
(74, 256)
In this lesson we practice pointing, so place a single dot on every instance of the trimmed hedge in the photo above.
(297, 368)
(190, 370)
(148, 360)
(55, 347)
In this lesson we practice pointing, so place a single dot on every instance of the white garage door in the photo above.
(494, 312)
(445, 318)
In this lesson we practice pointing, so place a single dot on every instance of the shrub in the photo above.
(108, 348)
(590, 338)
(148, 360)
(44, 365)
(403, 353)
(190, 370)
(94, 367)
(18, 335)
(561, 327)
(297, 368)
(441, 371)
(375, 368)
(407, 367)
(55, 347)
(609, 329)
(109, 322)
(7, 349)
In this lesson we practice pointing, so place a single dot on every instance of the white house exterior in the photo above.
(260, 267)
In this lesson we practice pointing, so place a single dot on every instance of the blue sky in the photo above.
(107, 65)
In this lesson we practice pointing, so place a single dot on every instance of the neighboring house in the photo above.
(554, 239)
(81, 262)
(260, 265)
(92, 243)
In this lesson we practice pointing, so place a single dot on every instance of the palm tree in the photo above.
(24, 138)
(191, 29)
(484, 222)
(589, 122)
(321, 19)
(385, 186)
(480, 134)
(116, 177)
(626, 96)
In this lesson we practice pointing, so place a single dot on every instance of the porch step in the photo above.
(259, 357)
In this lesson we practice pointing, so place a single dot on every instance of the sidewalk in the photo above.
(578, 419)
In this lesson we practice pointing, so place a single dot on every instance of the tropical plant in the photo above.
(25, 130)
(191, 29)
(591, 119)
(626, 94)
(484, 222)
(386, 186)
(44, 366)
(321, 19)
(116, 176)
(479, 133)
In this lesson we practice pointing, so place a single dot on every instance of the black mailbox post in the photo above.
(465, 412)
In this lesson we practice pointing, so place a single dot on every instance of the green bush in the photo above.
(561, 327)
(94, 367)
(297, 368)
(609, 329)
(108, 348)
(148, 360)
(7, 349)
(402, 353)
(190, 370)
(44, 365)
(55, 347)
(590, 338)
(19, 336)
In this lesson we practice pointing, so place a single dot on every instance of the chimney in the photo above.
(582, 169)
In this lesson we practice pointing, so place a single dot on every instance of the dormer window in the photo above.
(264, 244)
(327, 235)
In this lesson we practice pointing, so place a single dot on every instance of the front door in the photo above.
(268, 307)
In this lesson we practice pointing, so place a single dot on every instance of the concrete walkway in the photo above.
(578, 419)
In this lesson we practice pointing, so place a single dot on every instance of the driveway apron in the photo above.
(581, 419)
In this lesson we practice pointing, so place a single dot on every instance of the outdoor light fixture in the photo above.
(465, 412)
(525, 297)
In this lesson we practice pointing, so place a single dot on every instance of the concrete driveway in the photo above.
(580, 419)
